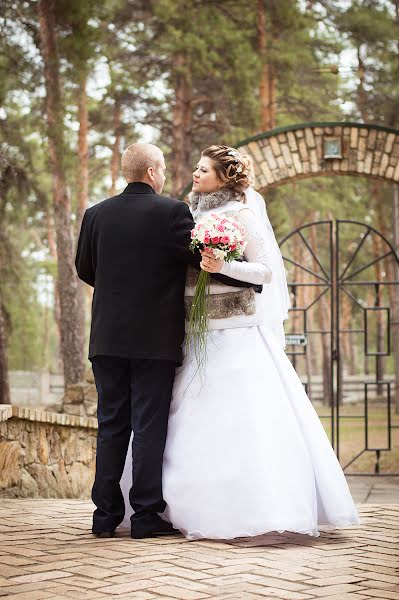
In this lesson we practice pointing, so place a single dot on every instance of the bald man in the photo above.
(134, 250)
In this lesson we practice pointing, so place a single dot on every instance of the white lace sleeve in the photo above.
(256, 267)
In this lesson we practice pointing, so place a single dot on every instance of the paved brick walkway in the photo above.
(374, 490)
(46, 551)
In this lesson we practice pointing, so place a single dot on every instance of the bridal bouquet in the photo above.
(225, 238)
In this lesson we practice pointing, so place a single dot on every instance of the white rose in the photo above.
(219, 253)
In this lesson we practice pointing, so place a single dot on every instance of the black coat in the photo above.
(133, 248)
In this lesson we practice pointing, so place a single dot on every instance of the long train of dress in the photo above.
(246, 453)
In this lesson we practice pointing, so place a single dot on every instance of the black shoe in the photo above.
(104, 534)
(159, 528)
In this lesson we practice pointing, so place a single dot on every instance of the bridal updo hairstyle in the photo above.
(234, 170)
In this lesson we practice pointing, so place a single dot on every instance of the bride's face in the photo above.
(205, 178)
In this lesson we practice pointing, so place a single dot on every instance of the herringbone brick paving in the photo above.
(47, 552)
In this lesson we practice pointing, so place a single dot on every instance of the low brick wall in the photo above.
(45, 454)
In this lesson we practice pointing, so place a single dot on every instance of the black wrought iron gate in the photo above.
(341, 337)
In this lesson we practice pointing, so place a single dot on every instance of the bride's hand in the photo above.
(209, 263)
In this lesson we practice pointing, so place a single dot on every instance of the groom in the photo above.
(134, 250)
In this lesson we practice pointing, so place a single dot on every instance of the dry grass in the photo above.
(352, 437)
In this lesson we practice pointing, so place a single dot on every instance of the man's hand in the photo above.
(209, 263)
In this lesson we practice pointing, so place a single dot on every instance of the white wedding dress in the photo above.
(246, 453)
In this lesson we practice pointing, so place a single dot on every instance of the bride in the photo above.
(246, 453)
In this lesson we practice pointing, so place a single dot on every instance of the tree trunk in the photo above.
(348, 339)
(267, 83)
(380, 367)
(362, 97)
(71, 339)
(324, 319)
(83, 188)
(392, 270)
(182, 126)
(4, 381)
(308, 349)
(394, 290)
(394, 293)
(378, 294)
(116, 150)
(369, 304)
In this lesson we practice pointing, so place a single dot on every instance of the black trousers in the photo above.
(133, 394)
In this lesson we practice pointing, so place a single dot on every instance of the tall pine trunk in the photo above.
(308, 350)
(394, 292)
(324, 319)
(4, 381)
(362, 96)
(267, 83)
(71, 338)
(392, 269)
(347, 340)
(378, 250)
(378, 301)
(182, 125)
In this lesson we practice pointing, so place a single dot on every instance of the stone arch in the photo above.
(304, 150)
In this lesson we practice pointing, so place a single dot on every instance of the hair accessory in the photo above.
(234, 154)
(237, 159)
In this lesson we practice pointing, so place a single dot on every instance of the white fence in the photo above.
(30, 388)
(353, 387)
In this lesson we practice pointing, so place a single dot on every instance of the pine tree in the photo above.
(208, 73)
(71, 334)
(373, 29)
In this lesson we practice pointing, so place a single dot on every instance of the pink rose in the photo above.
(225, 239)
(207, 239)
(216, 240)
(220, 228)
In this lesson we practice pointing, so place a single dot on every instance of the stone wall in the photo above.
(45, 454)
(80, 399)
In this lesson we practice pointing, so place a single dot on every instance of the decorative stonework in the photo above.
(45, 454)
(80, 399)
(298, 152)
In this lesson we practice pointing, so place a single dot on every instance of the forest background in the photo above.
(81, 80)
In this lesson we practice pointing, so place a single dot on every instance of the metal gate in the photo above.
(341, 334)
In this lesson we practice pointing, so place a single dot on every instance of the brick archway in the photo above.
(309, 149)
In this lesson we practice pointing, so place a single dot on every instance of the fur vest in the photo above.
(205, 202)
(225, 303)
